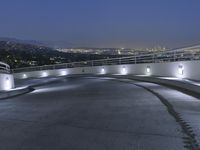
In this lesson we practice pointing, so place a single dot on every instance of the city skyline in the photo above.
(111, 23)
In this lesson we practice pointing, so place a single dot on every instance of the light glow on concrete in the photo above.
(103, 70)
(63, 73)
(44, 74)
(148, 69)
(18, 88)
(51, 89)
(24, 76)
(142, 75)
(123, 70)
(180, 69)
(193, 82)
(169, 78)
(7, 84)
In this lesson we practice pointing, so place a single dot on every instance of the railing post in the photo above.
(106, 62)
(153, 58)
(135, 60)
(120, 61)
(174, 56)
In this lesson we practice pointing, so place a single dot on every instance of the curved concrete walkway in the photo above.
(84, 113)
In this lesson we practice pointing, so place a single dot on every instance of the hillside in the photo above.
(25, 55)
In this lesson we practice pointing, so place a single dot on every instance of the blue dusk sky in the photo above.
(103, 23)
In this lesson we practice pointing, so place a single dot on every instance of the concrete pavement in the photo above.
(84, 113)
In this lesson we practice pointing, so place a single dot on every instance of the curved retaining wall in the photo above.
(6, 81)
(182, 69)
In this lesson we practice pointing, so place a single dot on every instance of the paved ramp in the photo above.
(84, 113)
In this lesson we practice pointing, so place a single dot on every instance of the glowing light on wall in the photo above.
(24, 76)
(180, 69)
(102, 70)
(148, 69)
(44, 74)
(63, 73)
(124, 70)
(7, 84)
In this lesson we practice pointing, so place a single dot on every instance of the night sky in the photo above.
(103, 23)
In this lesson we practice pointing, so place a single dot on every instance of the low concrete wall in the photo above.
(6, 81)
(16, 92)
(183, 69)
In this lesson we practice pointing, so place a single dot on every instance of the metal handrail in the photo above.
(180, 54)
(4, 68)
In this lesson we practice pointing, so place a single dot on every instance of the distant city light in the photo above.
(111, 51)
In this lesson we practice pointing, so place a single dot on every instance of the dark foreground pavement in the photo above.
(88, 114)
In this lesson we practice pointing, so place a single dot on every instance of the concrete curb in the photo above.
(30, 88)
(13, 93)
(180, 85)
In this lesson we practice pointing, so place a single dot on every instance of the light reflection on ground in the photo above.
(51, 89)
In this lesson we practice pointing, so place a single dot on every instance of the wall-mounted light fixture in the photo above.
(180, 69)
(124, 70)
(148, 69)
(102, 70)
(7, 84)
(63, 73)
(24, 76)
(44, 74)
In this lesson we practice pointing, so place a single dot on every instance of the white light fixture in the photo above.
(102, 70)
(148, 69)
(63, 73)
(24, 76)
(7, 84)
(124, 70)
(180, 69)
(44, 74)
